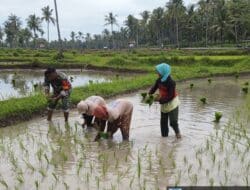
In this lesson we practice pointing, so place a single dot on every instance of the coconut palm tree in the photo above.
(176, 10)
(47, 17)
(110, 19)
(34, 23)
(11, 28)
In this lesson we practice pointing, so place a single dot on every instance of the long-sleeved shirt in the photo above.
(118, 109)
(167, 90)
(61, 83)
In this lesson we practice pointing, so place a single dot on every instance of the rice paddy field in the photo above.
(214, 149)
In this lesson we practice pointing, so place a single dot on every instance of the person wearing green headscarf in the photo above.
(168, 98)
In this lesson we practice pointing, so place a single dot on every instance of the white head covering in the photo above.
(82, 107)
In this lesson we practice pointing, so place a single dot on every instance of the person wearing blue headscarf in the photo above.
(168, 98)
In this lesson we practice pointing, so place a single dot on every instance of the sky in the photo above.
(86, 16)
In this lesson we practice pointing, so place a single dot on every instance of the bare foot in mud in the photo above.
(178, 136)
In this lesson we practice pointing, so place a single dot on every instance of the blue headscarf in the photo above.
(164, 70)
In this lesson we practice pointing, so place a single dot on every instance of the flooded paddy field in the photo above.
(19, 83)
(42, 155)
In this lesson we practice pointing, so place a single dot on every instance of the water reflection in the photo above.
(19, 83)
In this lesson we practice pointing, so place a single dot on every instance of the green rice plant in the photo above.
(150, 161)
(194, 179)
(209, 81)
(200, 162)
(246, 83)
(236, 76)
(131, 182)
(207, 172)
(36, 184)
(87, 178)
(29, 166)
(4, 183)
(138, 165)
(211, 182)
(203, 100)
(178, 179)
(56, 178)
(80, 164)
(213, 157)
(245, 90)
(185, 160)
(191, 86)
(190, 168)
(218, 116)
(97, 182)
(42, 172)
(20, 179)
(39, 154)
(46, 158)
(246, 180)
(144, 95)
(66, 186)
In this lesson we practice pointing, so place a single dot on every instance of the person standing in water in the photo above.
(118, 114)
(61, 91)
(168, 98)
(87, 107)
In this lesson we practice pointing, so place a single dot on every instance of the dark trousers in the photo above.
(173, 117)
(88, 119)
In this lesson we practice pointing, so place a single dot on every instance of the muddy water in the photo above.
(18, 83)
(43, 155)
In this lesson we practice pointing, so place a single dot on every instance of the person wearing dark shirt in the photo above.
(168, 98)
(61, 91)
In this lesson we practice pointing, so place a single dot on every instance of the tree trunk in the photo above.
(236, 34)
(112, 36)
(48, 30)
(177, 34)
(58, 32)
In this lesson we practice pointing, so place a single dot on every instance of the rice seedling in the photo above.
(211, 182)
(203, 100)
(20, 179)
(246, 180)
(246, 83)
(80, 164)
(138, 165)
(194, 179)
(29, 166)
(190, 168)
(131, 182)
(218, 116)
(200, 162)
(207, 172)
(66, 186)
(209, 81)
(144, 95)
(245, 90)
(185, 160)
(236, 76)
(36, 184)
(4, 183)
(97, 182)
(42, 172)
(178, 179)
(46, 158)
(39, 154)
(213, 157)
(191, 86)
(56, 178)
